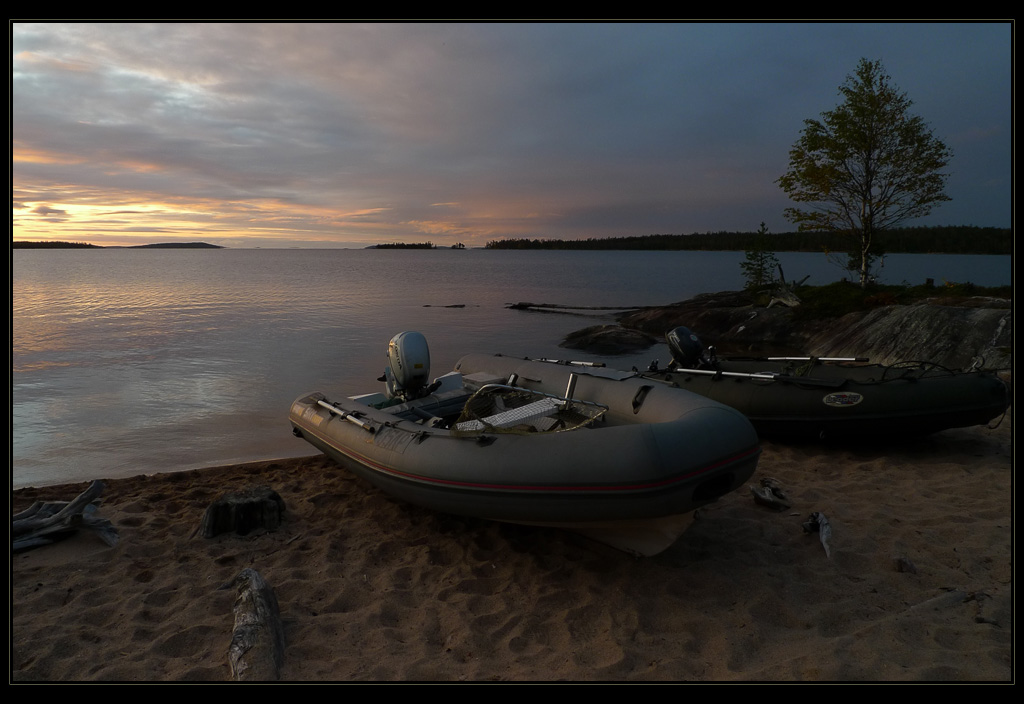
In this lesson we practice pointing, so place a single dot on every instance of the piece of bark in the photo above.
(243, 511)
(904, 564)
(257, 644)
(770, 494)
(817, 523)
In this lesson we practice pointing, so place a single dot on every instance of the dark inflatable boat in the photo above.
(808, 397)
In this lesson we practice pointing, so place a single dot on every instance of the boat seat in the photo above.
(437, 404)
(524, 415)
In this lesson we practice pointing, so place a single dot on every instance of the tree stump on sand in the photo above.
(258, 507)
(47, 522)
(257, 644)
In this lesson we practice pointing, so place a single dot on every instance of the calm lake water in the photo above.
(132, 361)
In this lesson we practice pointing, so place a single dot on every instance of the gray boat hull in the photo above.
(657, 452)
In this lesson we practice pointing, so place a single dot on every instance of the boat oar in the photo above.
(347, 415)
(569, 362)
(817, 359)
(768, 376)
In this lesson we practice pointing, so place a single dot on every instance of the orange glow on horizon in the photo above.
(116, 217)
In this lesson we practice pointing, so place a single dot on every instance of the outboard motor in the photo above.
(686, 348)
(408, 367)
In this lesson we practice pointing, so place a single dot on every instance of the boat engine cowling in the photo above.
(408, 365)
(686, 348)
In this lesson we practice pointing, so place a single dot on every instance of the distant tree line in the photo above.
(404, 245)
(54, 245)
(962, 239)
(86, 245)
(176, 245)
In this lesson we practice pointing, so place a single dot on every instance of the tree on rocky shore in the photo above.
(866, 166)
(759, 263)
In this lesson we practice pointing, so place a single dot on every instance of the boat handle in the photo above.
(641, 394)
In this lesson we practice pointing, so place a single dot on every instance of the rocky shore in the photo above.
(951, 331)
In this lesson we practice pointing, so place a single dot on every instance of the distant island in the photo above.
(404, 245)
(84, 245)
(176, 245)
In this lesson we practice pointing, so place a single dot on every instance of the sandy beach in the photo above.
(918, 586)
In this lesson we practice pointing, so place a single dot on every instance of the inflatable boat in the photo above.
(809, 397)
(523, 441)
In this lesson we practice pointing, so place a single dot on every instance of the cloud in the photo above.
(343, 132)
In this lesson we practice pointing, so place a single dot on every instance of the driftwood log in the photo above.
(47, 522)
(257, 644)
(785, 293)
(243, 511)
(588, 311)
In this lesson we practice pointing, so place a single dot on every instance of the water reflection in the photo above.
(130, 361)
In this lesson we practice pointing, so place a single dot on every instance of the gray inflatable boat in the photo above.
(534, 442)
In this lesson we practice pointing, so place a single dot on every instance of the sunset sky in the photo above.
(344, 135)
